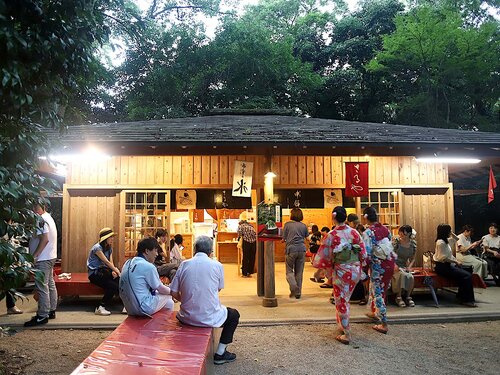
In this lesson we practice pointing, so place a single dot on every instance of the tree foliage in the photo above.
(442, 70)
(47, 49)
(316, 58)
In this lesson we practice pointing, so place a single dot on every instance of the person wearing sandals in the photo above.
(323, 263)
(446, 266)
(347, 253)
(377, 239)
(317, 238)
(365, 279)
(405, 248)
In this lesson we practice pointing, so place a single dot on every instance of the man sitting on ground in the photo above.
(141, 290)
(196, 285)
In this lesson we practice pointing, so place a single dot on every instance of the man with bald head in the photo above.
(196, 285)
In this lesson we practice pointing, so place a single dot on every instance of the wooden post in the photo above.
(357, 201)
(260, 269)
(260, 253)
(269, 299)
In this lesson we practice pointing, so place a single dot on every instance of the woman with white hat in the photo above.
(102, 271)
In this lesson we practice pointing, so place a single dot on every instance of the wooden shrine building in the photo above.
(133, 189)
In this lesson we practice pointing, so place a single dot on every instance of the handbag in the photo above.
(427, 260)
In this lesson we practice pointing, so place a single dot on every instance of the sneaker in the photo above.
(52, 314)
(14, 310)
(220, 359)
(124, 311)
(36, 321)
(101, 310)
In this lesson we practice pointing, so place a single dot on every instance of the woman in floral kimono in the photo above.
(345, 249)
(377, 239)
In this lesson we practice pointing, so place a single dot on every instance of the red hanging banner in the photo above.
(492, 184)
(356, 179)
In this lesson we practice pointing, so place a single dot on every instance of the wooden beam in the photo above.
(228, 186)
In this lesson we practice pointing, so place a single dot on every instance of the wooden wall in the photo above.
(424, 211)
(84, 215)
(205, 171)
(92, 192)
(330, 171)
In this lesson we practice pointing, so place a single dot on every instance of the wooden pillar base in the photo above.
(269, 299)
(269, 302)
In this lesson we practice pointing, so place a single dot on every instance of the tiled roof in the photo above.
(274, 131)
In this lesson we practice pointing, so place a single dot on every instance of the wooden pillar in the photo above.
(260, 256)
(269, 299)
(359, 212)
(260, 269)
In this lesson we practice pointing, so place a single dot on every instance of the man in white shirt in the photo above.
(141, 289)
(43, 247)
(196, 285)
(464, 256)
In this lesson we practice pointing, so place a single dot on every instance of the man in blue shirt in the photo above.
(141, 289)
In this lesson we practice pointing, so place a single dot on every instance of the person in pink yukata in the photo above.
(347, 253)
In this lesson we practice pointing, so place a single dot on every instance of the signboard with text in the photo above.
(242, 179)
(356, 179)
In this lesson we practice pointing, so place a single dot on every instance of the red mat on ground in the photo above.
(151, 346)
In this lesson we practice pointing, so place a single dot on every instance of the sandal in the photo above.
(326, 286)
(410, 302)
(372, 317)
(343, 339)
(316, 280)
(380, 328)
(400, 302)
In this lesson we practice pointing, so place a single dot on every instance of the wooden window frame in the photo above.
(395, 218)
(133, 234)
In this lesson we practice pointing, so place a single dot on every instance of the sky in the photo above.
(117, 56)
(211, 23)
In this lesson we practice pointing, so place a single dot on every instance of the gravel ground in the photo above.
(39, 352)
(460, 348)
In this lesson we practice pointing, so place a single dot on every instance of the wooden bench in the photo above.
(430, 279)
(78, 285)
(160, 345)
